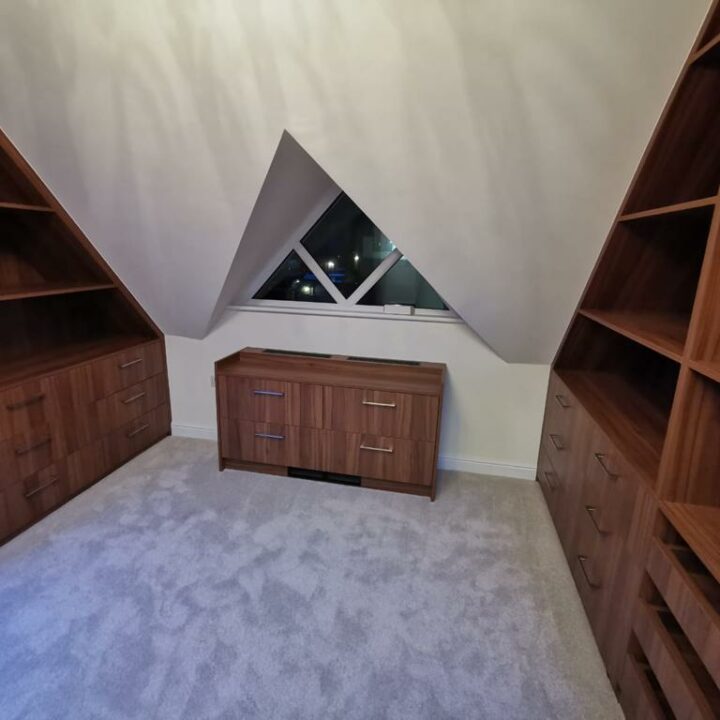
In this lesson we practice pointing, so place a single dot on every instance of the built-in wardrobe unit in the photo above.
(630, 454)
(83, 381)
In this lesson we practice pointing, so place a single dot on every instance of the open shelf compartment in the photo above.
(65, 330)
(683, 163)
(628, 389)
(647, 278)
(15, 188)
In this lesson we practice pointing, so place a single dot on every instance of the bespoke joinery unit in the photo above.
(83, 381)
(363, 421)
(630, 454)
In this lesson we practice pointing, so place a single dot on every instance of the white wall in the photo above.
(492, 140)
(492, 412)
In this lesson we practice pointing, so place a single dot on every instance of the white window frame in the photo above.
(345, 307)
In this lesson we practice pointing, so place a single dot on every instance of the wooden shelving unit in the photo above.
(640, 365)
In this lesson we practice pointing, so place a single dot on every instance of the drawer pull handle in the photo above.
(34, 446)
(134, 398)
(376, 449)
(557, 441)
(549, 477)
(37, 490)
(269, 393)
(562, 402)
(269, 436)
(601, 461)
(25, 403)
(130, 363)
(379, 404)
(582, 559)
(142, 428)
(590, 510)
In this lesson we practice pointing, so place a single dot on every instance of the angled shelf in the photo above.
(699, 526)
(47, 289)
(24, 207)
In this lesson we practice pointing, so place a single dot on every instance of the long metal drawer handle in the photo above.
(557, 441)
(30, 448)
(142, 428)
(269, 393)
(600, 457)
(379, 404)
(134, 398)
(37, 490)
(564, 404)
(590, 510)
(25, 403)
(269, 436)
(552, 485)
(582, 559)
(130, 363)
(376, 449)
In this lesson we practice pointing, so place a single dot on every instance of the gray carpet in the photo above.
(170, 590)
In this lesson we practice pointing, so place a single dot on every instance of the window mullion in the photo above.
(374, 276)
(320, 274)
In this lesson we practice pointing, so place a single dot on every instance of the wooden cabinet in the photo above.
(83, 380)
(629, 458)
(373, 422)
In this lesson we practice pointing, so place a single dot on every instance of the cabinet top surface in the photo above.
(384, 374)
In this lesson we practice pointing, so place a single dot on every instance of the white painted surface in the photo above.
(492, 412)
(491, 140)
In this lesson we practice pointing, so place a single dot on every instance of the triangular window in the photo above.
(294, 281)
(402, 284)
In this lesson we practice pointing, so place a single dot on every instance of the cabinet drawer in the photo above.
(637, 696)
(122, 370)
(549, 481)
(87, 465)
(274, 444)
(136, 436)
(561, 412)
(28, 500)
(25, 407)
(132, 402)
(271, 401)
(389, 414)
(394, 459)
(26, 453)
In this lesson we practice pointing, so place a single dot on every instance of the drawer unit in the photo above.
(127, 368)
(30, 499)
(130, 403)
(137, 435)
(24, 407)
(391, 414)
(27, 452)
(372, 420)
(549, 481)
(87, 465)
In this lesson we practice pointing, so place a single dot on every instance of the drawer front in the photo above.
(549, 481)
(87, 465)
(122, 370)
(28, 500)
(136, 436)
(130, 403)
(637, 696)
(271, 401)
(561, 411)
(389, 414)
(25, 407)
(28, 452)
(4, 520)
(274, 444)
(393, 459)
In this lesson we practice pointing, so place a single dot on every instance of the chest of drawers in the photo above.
(372, 422)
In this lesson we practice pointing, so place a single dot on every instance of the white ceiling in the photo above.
(491, 140)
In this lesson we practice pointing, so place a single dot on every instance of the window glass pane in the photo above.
(293, 281)
(402, 284)
(347, 245)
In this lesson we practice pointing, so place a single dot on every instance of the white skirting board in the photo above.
(475, 466)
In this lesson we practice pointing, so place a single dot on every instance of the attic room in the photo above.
(360, 360)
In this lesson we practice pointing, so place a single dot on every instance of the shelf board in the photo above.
(699, 526)
(23, 207)
(633, 424)
(709, 49)
(708, 368)
(49, 289)
(665, 333)
(64, 356)
(684, 207)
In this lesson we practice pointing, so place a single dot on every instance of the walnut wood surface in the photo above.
(699, 526)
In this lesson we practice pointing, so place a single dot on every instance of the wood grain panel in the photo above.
(25, 406)
(637, 696)
(381, 412)
(395, 459)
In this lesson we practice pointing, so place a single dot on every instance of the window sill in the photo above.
(329, 312)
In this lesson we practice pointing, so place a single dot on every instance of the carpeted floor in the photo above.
(170, 590)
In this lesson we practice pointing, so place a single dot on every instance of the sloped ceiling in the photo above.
(492, 140)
